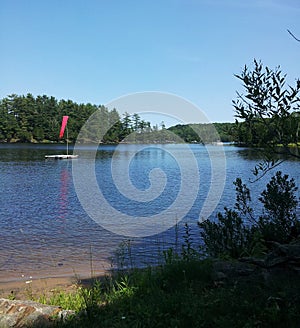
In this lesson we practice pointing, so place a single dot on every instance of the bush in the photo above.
(279, 219)
(228, 237)
(239, 232)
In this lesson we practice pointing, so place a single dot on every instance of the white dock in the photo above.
(61, 156)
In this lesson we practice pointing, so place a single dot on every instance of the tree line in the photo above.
(38, 119)
(205, 132)
(268, 117)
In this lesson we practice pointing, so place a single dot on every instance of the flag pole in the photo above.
(67, 142)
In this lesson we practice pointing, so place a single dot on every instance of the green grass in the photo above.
(185, 294)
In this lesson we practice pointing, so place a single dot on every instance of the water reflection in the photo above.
(63, 201)
(258, 154)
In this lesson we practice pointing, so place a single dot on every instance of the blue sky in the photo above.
(95, 51)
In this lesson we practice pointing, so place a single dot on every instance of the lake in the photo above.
(53, 221)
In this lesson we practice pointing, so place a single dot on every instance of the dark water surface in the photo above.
(44, 230)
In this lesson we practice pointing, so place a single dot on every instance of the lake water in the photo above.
(45, 231)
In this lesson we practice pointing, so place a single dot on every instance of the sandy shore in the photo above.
(27, 285)
(44, 286)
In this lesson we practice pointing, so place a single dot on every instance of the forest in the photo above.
(37, 119)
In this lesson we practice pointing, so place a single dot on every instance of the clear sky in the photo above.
(93, 51)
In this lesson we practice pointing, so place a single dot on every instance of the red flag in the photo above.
(63, 126)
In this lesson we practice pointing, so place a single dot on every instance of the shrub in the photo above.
(228, 237)
(239, 232)
(279, 218)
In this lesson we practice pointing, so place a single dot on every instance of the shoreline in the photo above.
(26, 287)
(21, 290)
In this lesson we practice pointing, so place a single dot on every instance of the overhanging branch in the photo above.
(293, 36)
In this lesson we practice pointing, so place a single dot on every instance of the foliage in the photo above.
(188, 253)
(227, 238)
(185, 132)
(68, 301)
(239, 232)
(186, 294)
(268, 114)
(204, 133)
(279, 220)
(37, 119)
(27, 119)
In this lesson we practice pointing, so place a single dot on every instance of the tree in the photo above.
(8, 122)
(136, 121)
(269, 114)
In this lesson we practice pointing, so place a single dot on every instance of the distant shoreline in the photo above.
(119, 143)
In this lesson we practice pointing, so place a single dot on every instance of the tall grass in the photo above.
(183, 291)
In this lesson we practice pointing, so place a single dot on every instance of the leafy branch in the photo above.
(268, 114)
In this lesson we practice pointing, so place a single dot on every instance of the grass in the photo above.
(184, 293)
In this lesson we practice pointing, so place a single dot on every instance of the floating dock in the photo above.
(61, 156)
